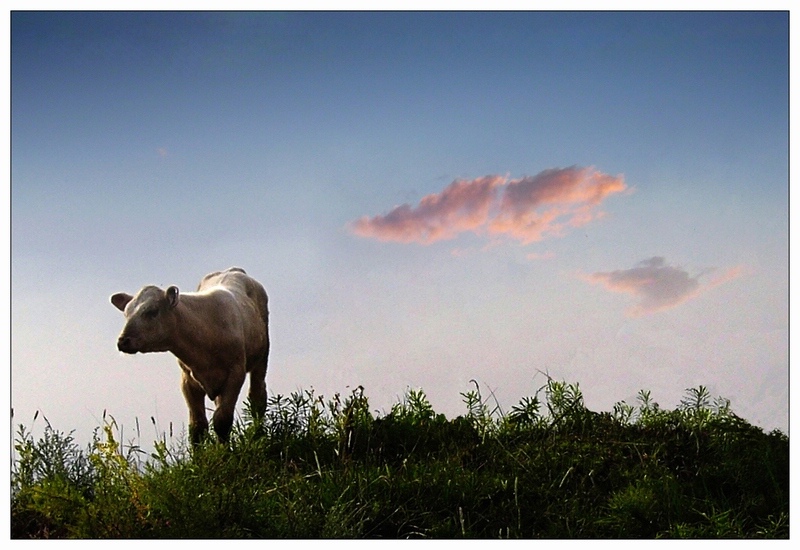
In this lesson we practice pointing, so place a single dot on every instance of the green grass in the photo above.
(312, 468)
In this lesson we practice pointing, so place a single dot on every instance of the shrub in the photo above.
(313, 468)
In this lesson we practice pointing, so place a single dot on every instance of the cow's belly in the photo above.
(211, 380)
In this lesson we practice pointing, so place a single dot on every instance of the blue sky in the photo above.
(428, 198)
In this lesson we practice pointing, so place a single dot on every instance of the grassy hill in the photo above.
(312, 468)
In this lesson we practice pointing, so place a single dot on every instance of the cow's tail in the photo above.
(265, 314)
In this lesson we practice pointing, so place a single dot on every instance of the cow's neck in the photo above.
(194, 342)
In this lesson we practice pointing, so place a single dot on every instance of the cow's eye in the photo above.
(151, 313)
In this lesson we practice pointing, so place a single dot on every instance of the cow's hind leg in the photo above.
(258, 371)
(258, 389)
(195, 399)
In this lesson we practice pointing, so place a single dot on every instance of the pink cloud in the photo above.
(528, 209)
(462, 206)
(656, 285)
(728, 275)
(535, 207)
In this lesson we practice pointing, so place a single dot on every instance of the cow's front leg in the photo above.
(226, 404)
(195, 399)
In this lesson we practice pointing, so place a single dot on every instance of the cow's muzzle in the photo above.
(125, 345)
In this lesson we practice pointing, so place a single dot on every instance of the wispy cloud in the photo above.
(527, 209)
(462, 206)
(534, 207)
(541, 256)
(657, 285)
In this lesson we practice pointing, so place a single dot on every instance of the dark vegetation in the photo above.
(549, 468)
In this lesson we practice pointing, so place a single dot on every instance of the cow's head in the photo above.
(150, 319)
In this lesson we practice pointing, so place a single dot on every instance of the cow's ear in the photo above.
(173, 295)
(120, 300)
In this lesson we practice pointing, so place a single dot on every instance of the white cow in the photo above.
(218, 333)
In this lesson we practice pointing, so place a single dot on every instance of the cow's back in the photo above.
(250, 295)
(227, 278)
